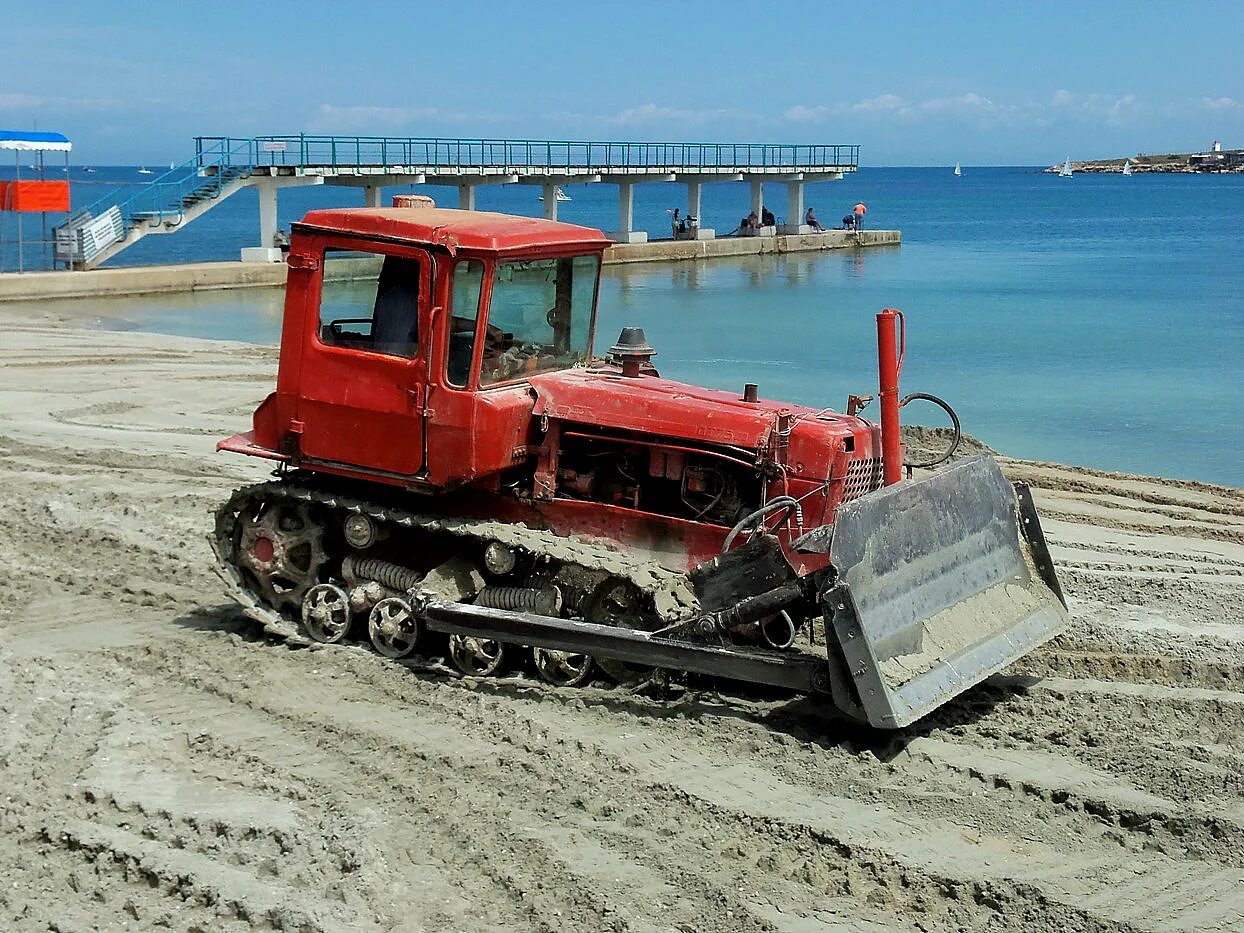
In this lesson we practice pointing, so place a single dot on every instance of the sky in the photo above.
(933, 83)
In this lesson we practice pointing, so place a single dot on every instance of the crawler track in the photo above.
(670, 594)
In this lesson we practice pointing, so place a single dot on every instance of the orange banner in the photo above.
(34, 196)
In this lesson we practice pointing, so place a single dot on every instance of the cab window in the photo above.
(540, 318)
(468, 279)
(378, 317)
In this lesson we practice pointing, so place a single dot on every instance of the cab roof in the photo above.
(453, 229)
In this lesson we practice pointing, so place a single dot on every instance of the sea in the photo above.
(1096, 320)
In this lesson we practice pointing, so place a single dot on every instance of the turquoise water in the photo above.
(1096, 320)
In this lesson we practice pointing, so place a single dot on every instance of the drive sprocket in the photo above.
(280, 546)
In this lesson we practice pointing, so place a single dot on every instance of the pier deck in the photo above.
(224, 165)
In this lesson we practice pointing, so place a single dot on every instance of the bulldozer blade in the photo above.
(940, 582)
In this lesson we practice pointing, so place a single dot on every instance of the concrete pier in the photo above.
(146, 280)
(225, 165)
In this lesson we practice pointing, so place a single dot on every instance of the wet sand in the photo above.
(165, 766)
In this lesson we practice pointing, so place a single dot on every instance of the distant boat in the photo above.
(145, 171)
(560, 195)
(1065, 171)
(1127, 167)
(958, 171)
(172, 165)
(88, 170)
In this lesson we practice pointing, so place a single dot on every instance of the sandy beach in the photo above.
(164, 765)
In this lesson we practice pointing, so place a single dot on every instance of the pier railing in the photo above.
(532, 154)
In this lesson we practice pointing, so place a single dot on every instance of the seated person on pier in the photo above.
(766, 218)
(809, 218)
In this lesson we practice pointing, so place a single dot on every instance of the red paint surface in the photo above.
(398, 421)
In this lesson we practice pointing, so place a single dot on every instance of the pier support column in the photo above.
(550, 202)
(794, 210)
(267, 250)
(626, 216)
(758, 207)
(371, 196)
(693, 199)
(694, 204)
(466, 197)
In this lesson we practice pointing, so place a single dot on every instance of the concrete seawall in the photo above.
(185, 277)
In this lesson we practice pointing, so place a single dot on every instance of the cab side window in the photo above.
(379, 317)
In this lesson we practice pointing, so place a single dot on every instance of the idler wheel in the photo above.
(562, 668)
(480, 657)
(326, 613)
(393, 627)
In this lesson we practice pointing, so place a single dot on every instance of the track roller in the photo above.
(326, 613)
(393, 627)
(480, 657)
(562, 668)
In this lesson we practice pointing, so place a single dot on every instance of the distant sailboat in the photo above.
(145, 171)
(172, 165)
(958, 171)
(560, 195)
(1127, 167)
(1065, 171)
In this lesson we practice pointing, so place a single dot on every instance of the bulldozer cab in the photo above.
(402, 375)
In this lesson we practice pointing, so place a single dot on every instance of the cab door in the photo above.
(364, 363)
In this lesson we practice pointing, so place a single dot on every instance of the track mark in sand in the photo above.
(436, 805)
(1104, 801)
(193, 877)
(950, 854)
(1124, 667)
(107, 416)
(1184, 831)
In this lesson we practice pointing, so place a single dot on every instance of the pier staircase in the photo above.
(185, 192)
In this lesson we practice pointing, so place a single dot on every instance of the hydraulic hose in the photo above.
(954, 421)
(778, 502)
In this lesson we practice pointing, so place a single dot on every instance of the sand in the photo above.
(163, 765)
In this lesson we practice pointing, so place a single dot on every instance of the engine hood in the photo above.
(647, 403)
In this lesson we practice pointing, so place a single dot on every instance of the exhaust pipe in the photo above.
(890, 354)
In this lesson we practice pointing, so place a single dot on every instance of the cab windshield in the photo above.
(540, 317)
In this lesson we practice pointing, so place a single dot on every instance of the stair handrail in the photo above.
(166, 193)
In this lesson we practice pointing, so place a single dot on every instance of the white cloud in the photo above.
(974, 109)
(331, 118)
(656, 113)
(882, 103)
(1219, 103)
(19, 101)
(1113, 108)
(970, 102)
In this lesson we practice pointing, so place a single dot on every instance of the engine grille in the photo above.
(863, 476)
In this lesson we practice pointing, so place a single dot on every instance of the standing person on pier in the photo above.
(860, 210)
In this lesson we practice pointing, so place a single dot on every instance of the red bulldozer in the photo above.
(463, 474)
